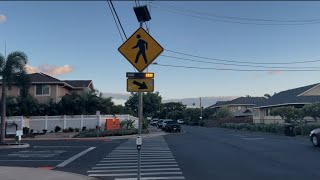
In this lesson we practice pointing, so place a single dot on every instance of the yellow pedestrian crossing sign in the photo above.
(140, 49)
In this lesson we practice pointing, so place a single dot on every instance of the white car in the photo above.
(315, 137)
(180, 121)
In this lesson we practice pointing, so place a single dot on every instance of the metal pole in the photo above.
(140, 112)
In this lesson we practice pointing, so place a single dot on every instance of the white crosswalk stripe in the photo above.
(157, 162)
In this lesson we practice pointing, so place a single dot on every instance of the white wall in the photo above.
(38, 123)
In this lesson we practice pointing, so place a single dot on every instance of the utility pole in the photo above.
(200, 110)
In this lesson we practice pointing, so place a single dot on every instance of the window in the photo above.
(267, 112)
(42, 90)
(239, 108)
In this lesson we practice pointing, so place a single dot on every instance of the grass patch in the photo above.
(104, 133)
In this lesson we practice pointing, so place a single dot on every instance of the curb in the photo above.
(15, 146)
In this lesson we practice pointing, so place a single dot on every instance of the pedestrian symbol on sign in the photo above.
(143, 46)
(140, 49)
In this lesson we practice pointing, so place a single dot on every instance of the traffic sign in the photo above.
(140, 49)
(140, 85)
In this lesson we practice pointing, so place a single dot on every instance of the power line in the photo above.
(118, 19)
(240, 65)
(242, 70)
(115, 21)
(234, 22)
(233, 17)
(240, 62)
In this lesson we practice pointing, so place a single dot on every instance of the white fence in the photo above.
(38, 123)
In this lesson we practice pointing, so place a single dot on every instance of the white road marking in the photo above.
(4, 160)
(132, 174)
(59, 146)
(64, 163)
(149, 166)
(143, 163)
(134, 170)
(152, 178)
(133, 160)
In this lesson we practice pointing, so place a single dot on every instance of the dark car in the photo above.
(315, 137)
(159, 123)
(172, 126)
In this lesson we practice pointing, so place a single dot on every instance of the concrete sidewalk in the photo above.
(19, 173)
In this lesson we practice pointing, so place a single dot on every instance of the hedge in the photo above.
(119, 132)
(272, 128)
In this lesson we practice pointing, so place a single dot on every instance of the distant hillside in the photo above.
(120, 98)
(206, 101)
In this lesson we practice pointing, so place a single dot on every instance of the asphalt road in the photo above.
(75, 156)
(197, 153)
(223, 154)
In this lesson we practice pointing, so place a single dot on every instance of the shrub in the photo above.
(84, 128)
(118, 132)
(70, 129)
(57, 129)
(44, 131)
(31, 131)
(76, 129)
(65, 130)
(25, 130)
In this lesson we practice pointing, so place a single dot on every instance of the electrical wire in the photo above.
(118, 19)
(240, 65)
(240, 62)
(234, 22)
(115, 21)
(232, 17)
(241, 70)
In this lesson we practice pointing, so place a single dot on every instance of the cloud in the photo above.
(3, 18)
(51, 70)
(278, 72)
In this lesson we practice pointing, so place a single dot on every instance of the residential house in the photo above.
(241, 107)
(45, 88)
(297, 98)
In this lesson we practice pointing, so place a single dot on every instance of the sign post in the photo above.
(140, 49)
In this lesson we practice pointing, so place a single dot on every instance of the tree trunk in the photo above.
(3, 113)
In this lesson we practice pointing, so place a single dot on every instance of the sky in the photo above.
(79, 40)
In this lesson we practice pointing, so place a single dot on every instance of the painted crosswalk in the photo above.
(157, 162)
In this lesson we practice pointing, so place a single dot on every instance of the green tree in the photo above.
(223, 112)
(208, 112)
(175, 115)
(151, 103)
(28, 106)
(167, 108)
(312, 110)
(192, 114)
(289, 114)
(12, 72)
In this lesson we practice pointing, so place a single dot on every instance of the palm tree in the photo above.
(12, 71)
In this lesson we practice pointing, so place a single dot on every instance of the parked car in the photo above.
(315, 137)
(172, 126)
(180, 121)
(165, 122)
(159, 123)
(154, 122)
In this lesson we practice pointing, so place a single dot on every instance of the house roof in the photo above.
(40, 77)
(290, 97)
(240, 101)
(78, 83)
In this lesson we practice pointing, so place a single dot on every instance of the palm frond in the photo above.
(2, 61)
(14, 67)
